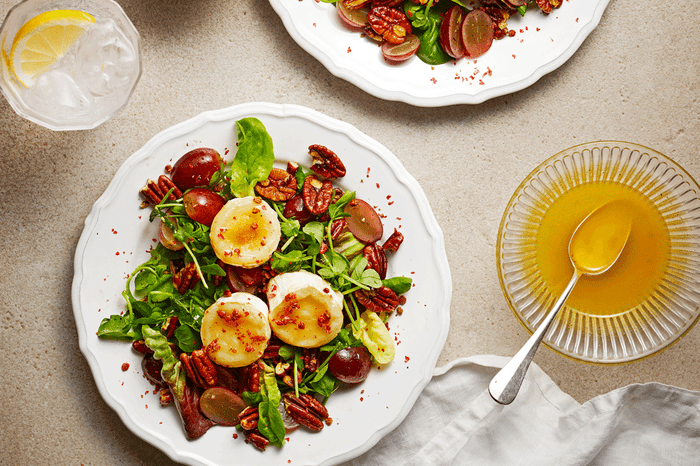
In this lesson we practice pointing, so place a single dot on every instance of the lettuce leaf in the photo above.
(254, 157)
(370, 329)
(171, 373)
(270, 422)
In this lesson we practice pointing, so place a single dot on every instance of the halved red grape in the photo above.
(398, 53)
(202, 205)
(167, 239)
(354, 18)
(477, 33)
(364, 222)
(221, 405)
(351, 365)
(290, 424)
(235, 282)
(451, 32)
(195, 168)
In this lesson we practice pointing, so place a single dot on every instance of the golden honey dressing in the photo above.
(600, 238)
(635, 274)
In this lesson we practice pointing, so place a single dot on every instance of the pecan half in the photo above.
(548, 5)
(306, 410)
(317, 195)
(249, 418)
(380, 300)
(279, 186)
(155, 191)
(256, 438)
(337, 227)
(326, 163)
(169, 326)
(393, 242)
(200, 368)
(500, 20)
(250, 378)
(376, 259)
(186, 278)
(392, 24)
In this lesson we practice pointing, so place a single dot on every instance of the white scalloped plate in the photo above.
(117, 236)
(541, 45)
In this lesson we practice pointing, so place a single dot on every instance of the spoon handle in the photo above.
(506, 384)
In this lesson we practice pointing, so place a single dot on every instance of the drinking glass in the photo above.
(91, 82)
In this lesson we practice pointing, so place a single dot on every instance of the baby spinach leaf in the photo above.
(398, 285)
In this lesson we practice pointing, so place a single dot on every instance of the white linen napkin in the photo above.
(455, 422)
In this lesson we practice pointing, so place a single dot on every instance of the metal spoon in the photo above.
(594, 247)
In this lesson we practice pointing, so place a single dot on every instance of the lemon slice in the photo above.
(42, 40)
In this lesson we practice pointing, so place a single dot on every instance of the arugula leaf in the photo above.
(315, 230)
(254, 157)
(117, 327)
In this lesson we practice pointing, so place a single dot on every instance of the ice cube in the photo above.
(107, 63)
(55, 92)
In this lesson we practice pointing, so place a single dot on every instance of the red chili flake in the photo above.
(362, 398)
(235, 435)
(433, 80)
(125, 366)
(377, 185)
(577, 20)
(117, 253)
(388, 197)
(513, 55)
(349, 50)
(367, 172)
(521, 31)
(154, 240)
(114, 232)
(390, 202)
(406, 359)
(146, 406)
(538, 29)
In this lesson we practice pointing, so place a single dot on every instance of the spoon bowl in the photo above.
(594, 247)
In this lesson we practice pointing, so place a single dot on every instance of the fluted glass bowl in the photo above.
(672, 307)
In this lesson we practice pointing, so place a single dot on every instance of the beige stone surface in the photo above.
(635, 78)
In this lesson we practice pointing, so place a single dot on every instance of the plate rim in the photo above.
(385, 92)
(599, 144)
(276, 110)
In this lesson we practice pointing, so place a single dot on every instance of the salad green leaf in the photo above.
(370, 329)
(171, 373)
(426, 21)
(254, 157)
(270, 422)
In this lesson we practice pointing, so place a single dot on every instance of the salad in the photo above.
(266, 292)
(437, 32)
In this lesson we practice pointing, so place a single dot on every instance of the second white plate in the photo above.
(541, 45)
